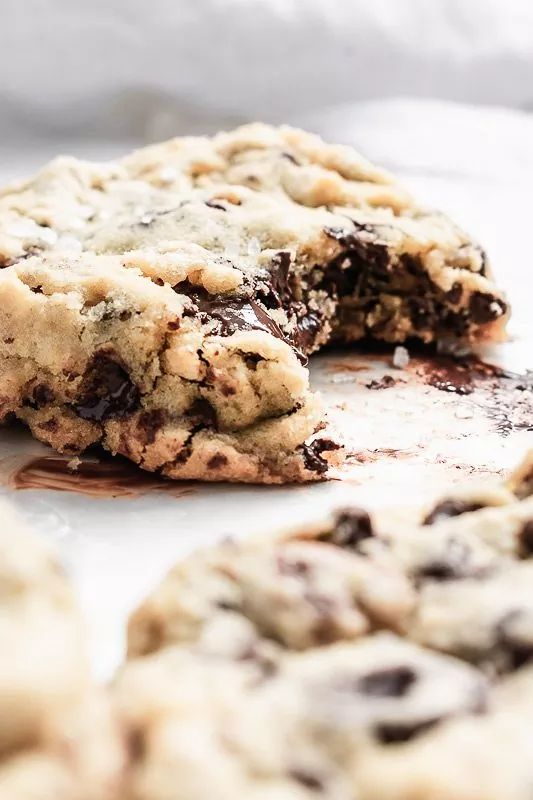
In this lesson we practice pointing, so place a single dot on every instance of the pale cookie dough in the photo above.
(206, 727)
(364, 658)
(58, 737)
(163, 305)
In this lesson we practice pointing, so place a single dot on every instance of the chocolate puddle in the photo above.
(504, 397)
(95, 477)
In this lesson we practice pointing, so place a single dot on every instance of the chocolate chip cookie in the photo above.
(383, 657)
(58, 740)
(164, 305)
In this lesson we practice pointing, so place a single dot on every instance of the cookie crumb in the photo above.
(400, 358)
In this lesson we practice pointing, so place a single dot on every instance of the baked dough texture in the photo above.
(164, 305)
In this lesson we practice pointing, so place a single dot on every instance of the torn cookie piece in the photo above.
(128, 300)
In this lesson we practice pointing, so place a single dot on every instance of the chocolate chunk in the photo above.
(525, 539)
(36, 289)
(50, 425)
(517, 651)
(150, 423)
(454, 294)
(279, 273)
(421, 311)
(386, 382)
(485, 308)
(202, 414)
(290, 158)
(352, 526)
(274, 290)
(108, 390)
(217, 461)
(136, 745)
(307, 779)
(231, 316)
(389, 682)
(450, 508)
(397, 732)
(364, 262)
(438, 571)
(307, 329)
(252, 360)
(215, 204)
(312, 454)
(41, 396)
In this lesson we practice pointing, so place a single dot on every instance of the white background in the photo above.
(132, 68)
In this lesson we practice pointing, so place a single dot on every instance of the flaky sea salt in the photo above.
(400, 359)
(167, 175)
(254, 247)
(343, 379)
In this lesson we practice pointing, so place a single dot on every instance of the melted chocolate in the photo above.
(108, 390)
(105, 476)
(312, 454)
(41, 396)
(236, 315)
(485, 308)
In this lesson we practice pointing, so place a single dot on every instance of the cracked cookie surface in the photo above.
(371, 657)
(164, 305)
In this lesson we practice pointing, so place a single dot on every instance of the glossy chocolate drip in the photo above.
(238, 315)
(96, 477)
(108, 391)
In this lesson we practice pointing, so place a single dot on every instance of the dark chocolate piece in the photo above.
(215, 204)
(217, 461)
(236, 315)
(525, 539)
(202, 413)
(517, 652)
(41, 396)
(307, 779)
(485, 308)
(352, 526)
(388, 682)
(454, 294)
(386, 382)
(312, 454)
(108, 390)
(450, 508)
(150, 422)
(397, 732)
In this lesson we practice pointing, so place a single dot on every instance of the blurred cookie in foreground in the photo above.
(57, 736)
(371, 656)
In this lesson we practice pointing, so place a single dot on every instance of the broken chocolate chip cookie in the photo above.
(164, 305)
